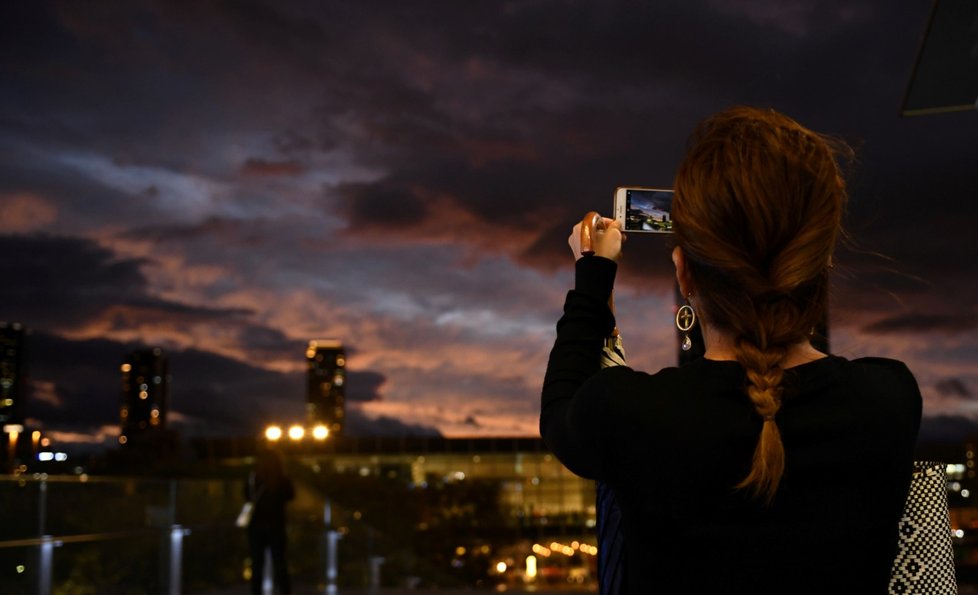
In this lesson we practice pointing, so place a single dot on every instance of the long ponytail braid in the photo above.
(757, 211)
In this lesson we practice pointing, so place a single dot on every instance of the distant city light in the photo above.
(501, 567)
(273, 433)
(531, 567)
(296, 432)
(320, 432)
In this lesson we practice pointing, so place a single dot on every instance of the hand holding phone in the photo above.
(643, 210)
(596, 235)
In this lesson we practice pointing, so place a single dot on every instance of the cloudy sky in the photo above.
(228, 180)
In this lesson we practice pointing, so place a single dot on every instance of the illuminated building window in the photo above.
(326, 381)
(145, 392)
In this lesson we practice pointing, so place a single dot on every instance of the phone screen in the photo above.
(648, 210)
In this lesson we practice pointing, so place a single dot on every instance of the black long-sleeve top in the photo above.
(674, 443)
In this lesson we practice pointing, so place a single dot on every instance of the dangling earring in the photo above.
(685, 319)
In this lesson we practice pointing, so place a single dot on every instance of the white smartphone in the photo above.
(643, 210)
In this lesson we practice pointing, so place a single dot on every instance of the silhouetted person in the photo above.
(270, 489)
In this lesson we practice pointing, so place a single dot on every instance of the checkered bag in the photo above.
(924, 563)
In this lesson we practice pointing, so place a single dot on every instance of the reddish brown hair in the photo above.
(757, 211)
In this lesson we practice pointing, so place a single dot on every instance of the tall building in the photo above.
(13, 373)
(145, 393)
(326, 384)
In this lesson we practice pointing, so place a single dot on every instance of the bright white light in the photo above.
(959, 533)
(45, 456)
(320, 432)
(501, 567)
(273, 433)
(297, 432)
(965, 493)
(60, 456)
(531, 567)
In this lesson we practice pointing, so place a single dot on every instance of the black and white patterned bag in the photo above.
(924, 563)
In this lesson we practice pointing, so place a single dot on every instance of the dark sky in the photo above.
(228, 180)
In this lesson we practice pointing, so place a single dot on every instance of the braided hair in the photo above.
(757, 210)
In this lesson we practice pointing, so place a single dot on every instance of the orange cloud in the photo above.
(22, 213)
(261, 167)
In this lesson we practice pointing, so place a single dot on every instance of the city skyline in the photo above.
(229, 181)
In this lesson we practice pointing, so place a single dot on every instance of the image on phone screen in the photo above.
(645, 209)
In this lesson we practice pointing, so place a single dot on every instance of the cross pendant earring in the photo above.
(685, 319)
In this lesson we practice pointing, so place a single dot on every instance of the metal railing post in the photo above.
(176, 558)
(332, 540)
(45, 551)
(267, 584)
(45, 564)
(375, 563)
